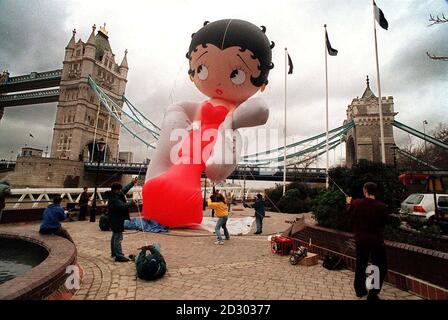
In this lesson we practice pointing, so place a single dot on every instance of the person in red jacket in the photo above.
(369, 217)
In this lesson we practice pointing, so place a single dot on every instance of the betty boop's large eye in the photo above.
(237, 76)
(202, 72)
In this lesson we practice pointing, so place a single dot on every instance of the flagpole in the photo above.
(326, 105)
(284, 129)
(383, 150)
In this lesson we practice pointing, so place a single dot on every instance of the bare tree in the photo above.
(433, 57)
(437, 20)
(436, 156)
(433, 21)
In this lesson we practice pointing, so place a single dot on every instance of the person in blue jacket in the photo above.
(52, 217)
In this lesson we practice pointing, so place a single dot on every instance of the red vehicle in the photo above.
(417, 182)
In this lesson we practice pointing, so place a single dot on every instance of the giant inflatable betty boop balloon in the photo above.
(229, 62)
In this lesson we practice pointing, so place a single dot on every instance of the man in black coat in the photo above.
(369, 217)
(83, 205)
(118, 209)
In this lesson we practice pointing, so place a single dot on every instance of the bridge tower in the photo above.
(3, 78)
(80, 120)
(363, 141)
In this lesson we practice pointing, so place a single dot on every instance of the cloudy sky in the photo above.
(33, 34)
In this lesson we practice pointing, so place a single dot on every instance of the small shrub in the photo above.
(297, 197)
(415, 222)
(294, 201)
(329, 210)
(390, 189)
(394, 221)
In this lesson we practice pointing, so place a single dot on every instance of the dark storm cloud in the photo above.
(32, 38)
(15, 128)
(412, 67)
(31, 35)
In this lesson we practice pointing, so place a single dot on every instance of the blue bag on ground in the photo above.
(148, 225)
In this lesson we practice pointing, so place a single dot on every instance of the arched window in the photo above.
(100, 123)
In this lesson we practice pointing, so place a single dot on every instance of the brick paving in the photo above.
(243, 268)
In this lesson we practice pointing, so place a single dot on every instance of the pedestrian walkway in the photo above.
(243, 268)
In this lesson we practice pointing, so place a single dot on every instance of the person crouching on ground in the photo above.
(52, 217)
(369, 217)
(220, 207)
(118, 209)
(150, 263)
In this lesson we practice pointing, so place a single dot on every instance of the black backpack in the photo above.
(104, 223)
(333, 263)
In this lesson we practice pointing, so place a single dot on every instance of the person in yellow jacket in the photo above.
(220, 207)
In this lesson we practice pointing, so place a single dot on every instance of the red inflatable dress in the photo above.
(174, 198)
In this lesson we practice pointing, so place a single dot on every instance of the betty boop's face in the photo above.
(225, 74)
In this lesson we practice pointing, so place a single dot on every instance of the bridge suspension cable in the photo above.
(104, 95)
(410, 156)
(345, 127)
(331, 146)
(112, 108)
(134, 110)
(420, 135)
(314, 148)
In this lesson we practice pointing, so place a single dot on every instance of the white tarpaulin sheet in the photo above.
(235, 226)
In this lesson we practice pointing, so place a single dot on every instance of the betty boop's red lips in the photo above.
(219, 91)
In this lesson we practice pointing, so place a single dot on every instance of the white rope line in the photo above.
(225, 33)
(96, 128)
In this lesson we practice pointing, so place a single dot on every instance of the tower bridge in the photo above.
(89, 91)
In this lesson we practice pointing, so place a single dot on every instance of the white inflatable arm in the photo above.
(226, 152)
(227, 149)
(177, 116)
(252, 113)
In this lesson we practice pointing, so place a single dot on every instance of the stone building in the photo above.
(31, 152)
(3, 78)
(80, 120)
(363, 141)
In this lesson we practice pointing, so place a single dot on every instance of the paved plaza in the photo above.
(243, 268)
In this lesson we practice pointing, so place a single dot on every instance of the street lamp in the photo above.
(244, 185)
(204, 202)
(101, 145)
(10, 159)
(426, 150)
(394, 148)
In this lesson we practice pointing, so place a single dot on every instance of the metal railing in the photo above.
(35, 76)
(35, 196)
(30, 95)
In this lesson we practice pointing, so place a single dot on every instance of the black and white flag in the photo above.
(379, 16)
(331, 51)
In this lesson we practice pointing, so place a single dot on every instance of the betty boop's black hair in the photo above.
(232, 32)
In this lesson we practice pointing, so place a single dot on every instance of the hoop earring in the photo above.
(191, 78)
(263, 87)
